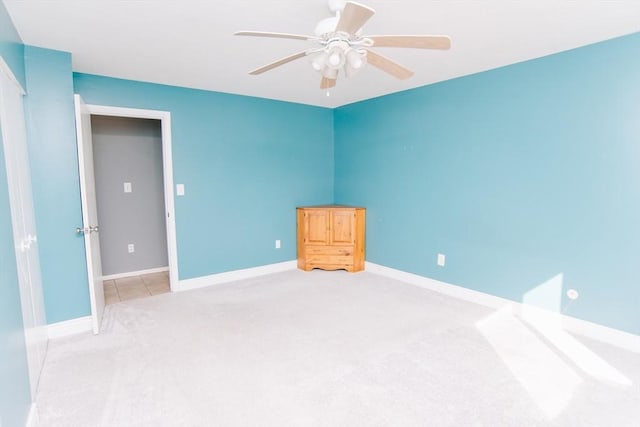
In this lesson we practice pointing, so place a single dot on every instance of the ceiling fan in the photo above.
(342, 47)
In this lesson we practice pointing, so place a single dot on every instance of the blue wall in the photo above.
(15, 398)
(246, 163)
(55, 182)
(518, 175)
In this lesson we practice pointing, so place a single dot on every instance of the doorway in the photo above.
(121, 267)
(128, 170)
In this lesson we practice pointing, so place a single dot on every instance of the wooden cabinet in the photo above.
(331, 237)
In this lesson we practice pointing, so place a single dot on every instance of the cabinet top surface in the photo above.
(330, 207)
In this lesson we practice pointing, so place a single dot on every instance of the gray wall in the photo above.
(129, 150)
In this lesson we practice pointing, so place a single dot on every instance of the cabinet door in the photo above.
(343, 227)
(316, 224)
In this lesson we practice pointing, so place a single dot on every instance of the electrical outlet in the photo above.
(131, 248)
(277, 244)
(441, 260)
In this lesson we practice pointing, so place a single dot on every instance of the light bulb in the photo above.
(355, 59)
(334, 59)
(319, 61)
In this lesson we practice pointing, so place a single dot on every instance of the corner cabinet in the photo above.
(331, 237)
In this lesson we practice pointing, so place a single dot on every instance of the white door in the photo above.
(89, 212)
(23, 221)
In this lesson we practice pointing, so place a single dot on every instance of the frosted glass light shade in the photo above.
(361, 59)
(354, 59)
(319, 61)
(336, 57)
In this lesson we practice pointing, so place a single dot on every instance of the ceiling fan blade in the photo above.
(274, 35)
(278, 63)
(417, 42)
(388, 66)
(353, 17)
(327, 83)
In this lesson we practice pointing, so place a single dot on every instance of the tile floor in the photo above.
(134, 287)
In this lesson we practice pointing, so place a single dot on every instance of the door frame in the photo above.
(167, 169)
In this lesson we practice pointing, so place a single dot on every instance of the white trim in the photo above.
(135, 273)
(4, 68)
(454, 291)
(70, 327)
(585, 328)
(231, 276)
(89, 211)
(612, 336)
(167, 162)
(84, 324)
(33, 420)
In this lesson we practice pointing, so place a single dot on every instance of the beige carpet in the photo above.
(330, 349)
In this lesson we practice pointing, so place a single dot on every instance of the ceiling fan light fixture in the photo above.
(336, 57)
(355, 58)
(349, 68)
(320, 61)
(341, 46)
(336, 49)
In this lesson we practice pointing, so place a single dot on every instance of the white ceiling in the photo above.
(190, 43)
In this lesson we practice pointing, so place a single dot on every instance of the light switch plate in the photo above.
(127, 187)
(180, 189)
(441, 260)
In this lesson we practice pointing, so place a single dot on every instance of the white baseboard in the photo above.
(232, 276)
(33, 420)
(135, 273)
(585, 328)
(83, 324)
(69, 327)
